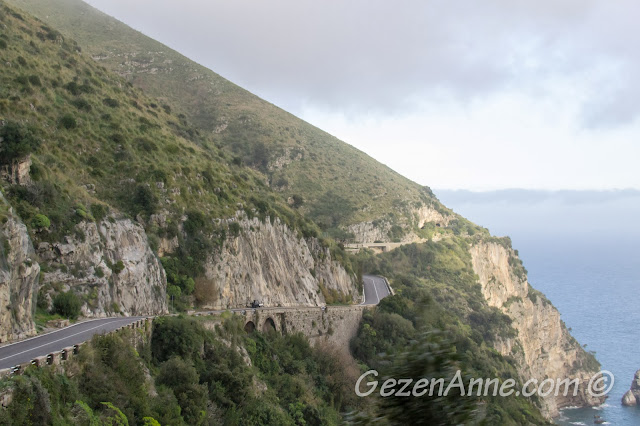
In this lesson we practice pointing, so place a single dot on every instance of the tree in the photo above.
(144, 200)
(432, 356)
(16, 142)
(181, 377)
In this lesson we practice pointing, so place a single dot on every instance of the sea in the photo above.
(582, 250)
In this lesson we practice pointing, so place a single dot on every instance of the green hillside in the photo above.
(101, 148)
(331, 182)
(79, 143)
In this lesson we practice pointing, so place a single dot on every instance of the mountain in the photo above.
(349, 194)
(207, 196)
(124, 200)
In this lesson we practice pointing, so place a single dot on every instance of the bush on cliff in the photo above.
(67, 304)
(17, 142)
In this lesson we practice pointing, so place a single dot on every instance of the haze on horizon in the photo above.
(457, 95)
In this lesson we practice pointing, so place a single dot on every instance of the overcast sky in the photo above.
(453, 94)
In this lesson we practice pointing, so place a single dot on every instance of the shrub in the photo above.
(67, 304)
(82, 104)
(234, 229)
(144, 200)
(18, 142)
(99, 211)
(117, 267)
(68, 121)
(181, 377)
(3, 44)
(146, 145)
(111, 103)
(40, 221)
(298, 200)
(35, 80)
(73, 88)
(22, 79)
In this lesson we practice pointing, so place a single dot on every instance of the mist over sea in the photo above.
(582, 249)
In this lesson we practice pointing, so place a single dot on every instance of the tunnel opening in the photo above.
(250, 327)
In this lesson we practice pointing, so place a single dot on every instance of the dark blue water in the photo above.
(583, 252)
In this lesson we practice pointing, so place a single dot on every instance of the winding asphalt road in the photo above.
(26, 350)
(375, 289)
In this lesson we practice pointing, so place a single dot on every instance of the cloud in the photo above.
(483, 95)
(376, 56)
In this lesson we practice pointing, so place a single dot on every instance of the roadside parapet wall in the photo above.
(65, 354)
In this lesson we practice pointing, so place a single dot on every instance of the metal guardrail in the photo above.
(386, 281)
(62, 355)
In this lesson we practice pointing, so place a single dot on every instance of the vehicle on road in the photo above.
(255, 304)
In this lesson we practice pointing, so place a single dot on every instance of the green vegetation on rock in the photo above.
(188, 375)
(437, 292)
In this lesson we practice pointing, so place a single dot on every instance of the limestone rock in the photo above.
(543, 346)
(629, 399)
(632, 397)
(367, 232)
(19, 274)
(271, 263)
(17, 172)
(111, 264)
(370, 232)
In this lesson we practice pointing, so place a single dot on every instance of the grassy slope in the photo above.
(104, 145)
(341, 185)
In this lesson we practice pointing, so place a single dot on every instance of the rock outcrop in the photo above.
(368, 232)
(380, 230)
(543, 348)
(111, 265)
(17, 171)
(271, 263)
(632, 396)
(19, 274)
(428, 214)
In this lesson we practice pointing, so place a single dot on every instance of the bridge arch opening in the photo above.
(269, 325)
(250, 327)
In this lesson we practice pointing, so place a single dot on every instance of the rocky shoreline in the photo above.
(632, 397)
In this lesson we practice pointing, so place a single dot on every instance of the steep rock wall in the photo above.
(111, 265)
(271, 263)
(19, 273)
(544, 347)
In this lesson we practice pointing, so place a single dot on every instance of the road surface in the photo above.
(26, 350)
(375, 289)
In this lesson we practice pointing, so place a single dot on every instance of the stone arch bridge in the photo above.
(336, 324)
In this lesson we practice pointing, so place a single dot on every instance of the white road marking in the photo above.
(6, 345)
(375, 288)
(59, 340)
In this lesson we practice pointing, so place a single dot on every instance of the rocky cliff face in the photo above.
(632, 396)
(370, 232)
(111, 265)
(19, 273)
(543, 348)
(271, 263)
